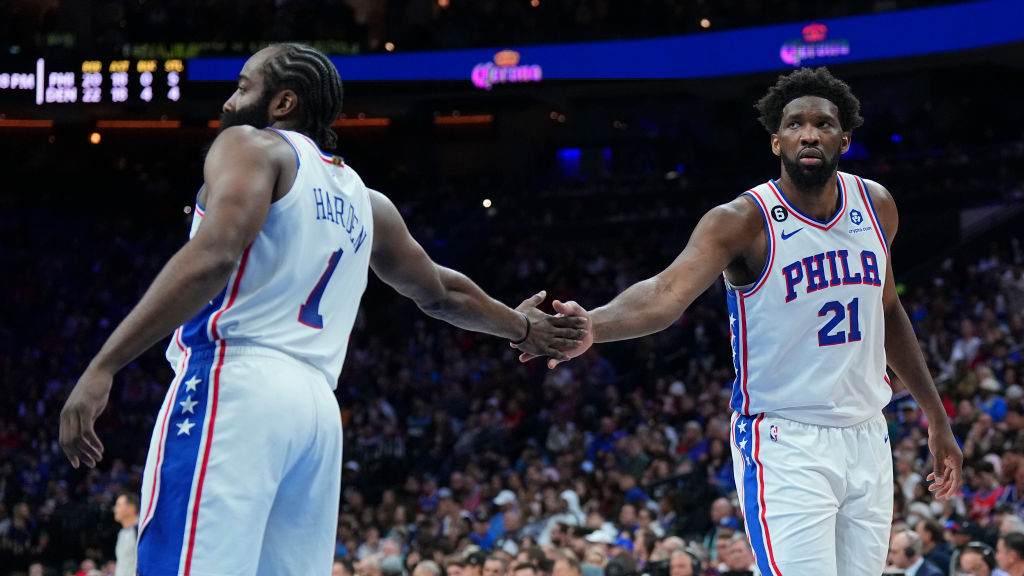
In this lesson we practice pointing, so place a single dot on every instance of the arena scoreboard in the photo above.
(46, 81)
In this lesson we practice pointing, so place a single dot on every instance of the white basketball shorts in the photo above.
(244, 469)
(816, 499)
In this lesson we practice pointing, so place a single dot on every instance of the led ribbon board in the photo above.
(835, 41)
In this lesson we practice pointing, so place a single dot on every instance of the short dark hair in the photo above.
(496, 558)
(809, 82)
(315, 80)
(536, 556)
(346, 563)
(934, 528)
(130, 498)
(1014, 541)
(525, 566)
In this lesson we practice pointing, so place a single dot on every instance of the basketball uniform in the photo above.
(244, 466)
(810, 446)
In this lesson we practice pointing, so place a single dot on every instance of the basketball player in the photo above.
(244, 465)
(814, 317)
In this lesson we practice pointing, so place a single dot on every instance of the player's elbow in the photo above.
(436, 302)
(438, 309)
(214, 261)
(430, 297)
(440, 296)
(223, 264)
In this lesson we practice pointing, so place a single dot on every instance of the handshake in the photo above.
(560, 337)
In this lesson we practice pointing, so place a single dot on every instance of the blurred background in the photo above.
(566, 145)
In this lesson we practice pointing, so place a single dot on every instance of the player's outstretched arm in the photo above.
(449, 295)
(240, 179)
(903, 354)
(724, 235)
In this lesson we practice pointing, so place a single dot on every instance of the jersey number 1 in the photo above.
(825, 335)
(309, 313)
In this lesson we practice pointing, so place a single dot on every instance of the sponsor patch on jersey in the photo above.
(856, 217)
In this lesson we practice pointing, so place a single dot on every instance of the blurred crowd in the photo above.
(454, 451)
(369, 25)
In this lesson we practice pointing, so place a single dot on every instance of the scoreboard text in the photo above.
(94, 81)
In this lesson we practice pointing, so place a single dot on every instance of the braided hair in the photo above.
(809, 82)
(315, 80)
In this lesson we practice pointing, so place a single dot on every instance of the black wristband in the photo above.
(527, 318)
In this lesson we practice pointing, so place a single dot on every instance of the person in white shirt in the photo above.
(126, 513)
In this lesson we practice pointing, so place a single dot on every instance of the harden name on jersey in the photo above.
(331, 208)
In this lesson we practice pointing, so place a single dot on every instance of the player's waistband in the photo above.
(243, 349)
(849, 422)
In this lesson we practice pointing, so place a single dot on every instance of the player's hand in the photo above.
(948, 461)
(549, 335)
(568, 310)
(83, 407)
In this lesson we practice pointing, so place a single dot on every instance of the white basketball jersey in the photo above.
(297, 287)
(808, 337)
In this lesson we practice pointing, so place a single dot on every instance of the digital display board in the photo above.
(47, 81)
(863, 38)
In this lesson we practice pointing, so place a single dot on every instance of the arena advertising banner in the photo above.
(834, 41)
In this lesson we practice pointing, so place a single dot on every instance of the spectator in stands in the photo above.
(495, 566)
(979, 559)
(991, 401)
(343, 567)
(738, 555)
(720, 509)
(1010, 554)
(684, 563)
(566, 565)
(427, 568)
(906, 553)
(934, 546)
(525, 569)
(370, 544)
(369, 565)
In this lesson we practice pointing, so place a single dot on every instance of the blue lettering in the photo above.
(351, 219)
(330, 211)
(794, 273)
(332, 208)
(834, 281)
(815, 266)
(318, 196)
(362, 238)
(870, 263)
(843, 259)
(339, 209)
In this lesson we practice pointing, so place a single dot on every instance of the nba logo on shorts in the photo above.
(773, 433)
